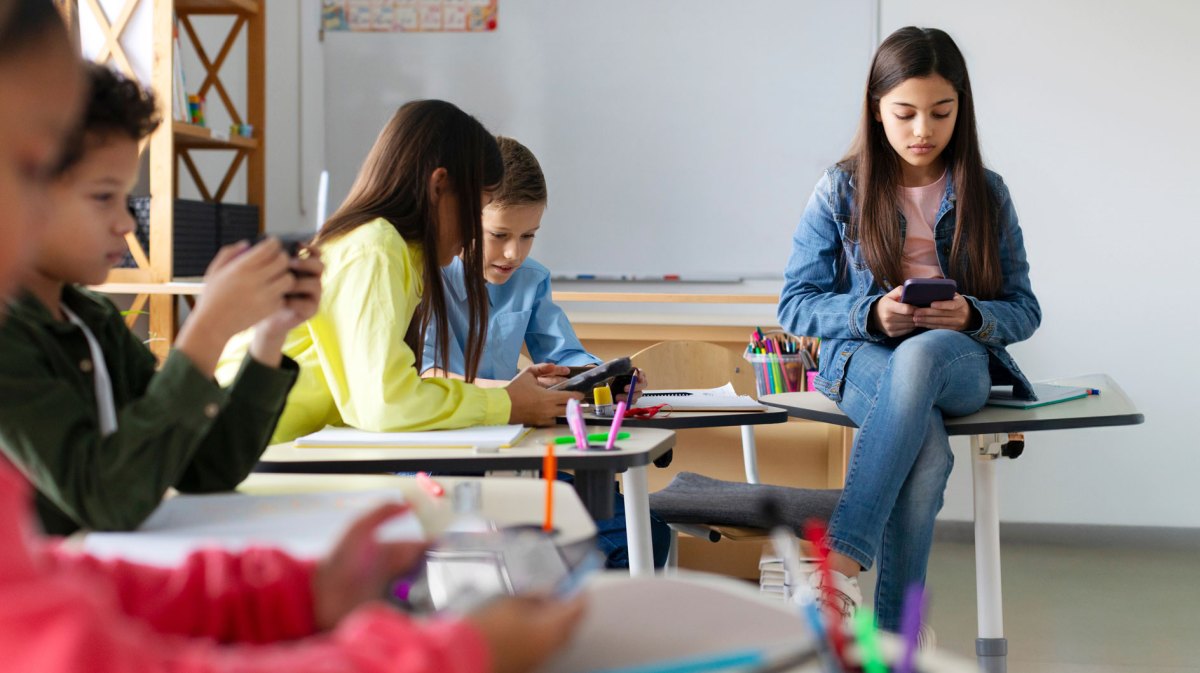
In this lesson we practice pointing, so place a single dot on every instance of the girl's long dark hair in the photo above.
(974, 253)
(393, 183)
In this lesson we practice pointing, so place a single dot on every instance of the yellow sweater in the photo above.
(355, 368)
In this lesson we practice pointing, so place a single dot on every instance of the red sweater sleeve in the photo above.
(62, 613)
(259, 596)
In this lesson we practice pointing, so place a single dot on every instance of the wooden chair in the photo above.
(699, 364)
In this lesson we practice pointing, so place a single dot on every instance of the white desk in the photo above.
(637, 621)
(594, 471)
(505, 500)
(989, 430)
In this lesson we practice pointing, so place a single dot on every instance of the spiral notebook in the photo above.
(721, 398)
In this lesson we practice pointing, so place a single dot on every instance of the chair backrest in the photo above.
(694, 364)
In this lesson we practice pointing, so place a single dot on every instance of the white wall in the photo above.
(673, 123)
(295, 114)
(1088, 110)
(295, 129)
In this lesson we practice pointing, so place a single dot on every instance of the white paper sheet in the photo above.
(304, 525)
(483, 437)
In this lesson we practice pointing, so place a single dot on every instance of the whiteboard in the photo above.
(677, 136)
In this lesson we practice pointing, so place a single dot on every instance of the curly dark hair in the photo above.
(115, 106)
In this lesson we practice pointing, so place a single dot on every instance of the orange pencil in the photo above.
(549, 470)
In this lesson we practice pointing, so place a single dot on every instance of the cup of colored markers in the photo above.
(779, 362)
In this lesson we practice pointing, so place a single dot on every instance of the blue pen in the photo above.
(629, 393)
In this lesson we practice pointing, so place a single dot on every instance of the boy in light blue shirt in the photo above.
(521, 311)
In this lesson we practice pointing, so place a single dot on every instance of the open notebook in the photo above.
(1046, 393)
(305, 525)
(722, 398)
(479, 437)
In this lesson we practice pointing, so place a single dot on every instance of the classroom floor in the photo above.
(1073, 609)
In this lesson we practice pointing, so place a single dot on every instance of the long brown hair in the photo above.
(974, 253)
(393, 183)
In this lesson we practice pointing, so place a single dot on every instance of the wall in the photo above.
(295, 133)
(673, 123)
(1087, 109)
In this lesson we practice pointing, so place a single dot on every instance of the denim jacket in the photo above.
(818, 301)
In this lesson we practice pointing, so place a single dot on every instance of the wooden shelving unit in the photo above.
(156, 293)
(190, 136)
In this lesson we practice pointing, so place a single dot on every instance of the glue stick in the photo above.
(602, 396)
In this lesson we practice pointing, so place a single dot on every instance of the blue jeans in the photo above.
(897, 395)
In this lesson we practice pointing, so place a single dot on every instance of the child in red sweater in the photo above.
(256, 611)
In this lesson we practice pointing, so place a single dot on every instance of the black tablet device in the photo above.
(588, 379)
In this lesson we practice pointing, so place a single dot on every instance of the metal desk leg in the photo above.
(637, 521)
(750, 454)
(991, 647)
(595, 489)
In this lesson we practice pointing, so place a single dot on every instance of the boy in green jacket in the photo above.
(83, 411)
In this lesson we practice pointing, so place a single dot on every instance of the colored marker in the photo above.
(549, 471)
(575, 421)
(910, 625)
(430, 486)
(594, 437)
(616, 426)
(868, 643)
(814, 531)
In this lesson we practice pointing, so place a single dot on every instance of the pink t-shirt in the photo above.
(920, 207)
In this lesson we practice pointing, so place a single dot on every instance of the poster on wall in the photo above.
(409, 16)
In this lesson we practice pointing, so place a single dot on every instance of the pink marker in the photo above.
(576, 423)
(616, 426)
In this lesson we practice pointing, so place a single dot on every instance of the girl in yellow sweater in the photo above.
(415, 206)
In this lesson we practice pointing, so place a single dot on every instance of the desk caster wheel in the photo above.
(1014, 447)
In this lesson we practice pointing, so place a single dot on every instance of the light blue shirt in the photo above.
(521, 312)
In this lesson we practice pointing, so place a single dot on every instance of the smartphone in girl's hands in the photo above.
(922, 292)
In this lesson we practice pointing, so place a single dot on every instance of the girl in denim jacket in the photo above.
(911, 200)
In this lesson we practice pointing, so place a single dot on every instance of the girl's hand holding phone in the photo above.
(523, 631)
(534, 405)
(952, 314)
(361, 567)
(890, 316)
(549, 374)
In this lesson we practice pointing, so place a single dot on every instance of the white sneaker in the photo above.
(926, 638)
(842, 594)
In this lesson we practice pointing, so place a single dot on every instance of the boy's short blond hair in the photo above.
(524, 184)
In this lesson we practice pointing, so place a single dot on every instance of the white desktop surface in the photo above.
(508, 501)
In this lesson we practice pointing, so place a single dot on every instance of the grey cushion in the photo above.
(694, 498)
